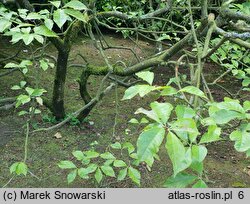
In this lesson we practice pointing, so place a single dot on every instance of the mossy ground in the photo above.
(225, 167)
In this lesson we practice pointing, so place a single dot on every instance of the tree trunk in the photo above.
(85, 95)
(59, 83)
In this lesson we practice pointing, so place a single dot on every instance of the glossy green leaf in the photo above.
(66, 165)
(151, 114)
(107, 155)
(4, 24)
(60, 17)
(43, 30)
(142, 90)
(71, 176)
(134, 175)
(78, 155)
(108, 171)
(168, 91)
(186, 126)
(162, 110)
(129, 146)
(122, 174)
(56, 3)
(98, 175)
(181, 180)
(77, 14)
(212, 135)
(77, 5)
(200, 184)
(91, 154)
(119, 163)
(116, 145)
(148, 144)
(146, 76)
(193, 90)
(184, 112)
(33, 16)
(198, 153)
(19, 168)
(181, 159)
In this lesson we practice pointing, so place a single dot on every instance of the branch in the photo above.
(124, 16)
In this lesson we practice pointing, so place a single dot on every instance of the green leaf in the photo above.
(22, 113)
(119, 163)
(71, 176)
(144, 120)
(181, 180)
(134, 175)
(91, 154)
(197, 166)
(4, 24)
(44, 65)
(246, 105)
(148, 144)
(162, 110)
(22, 169)
(184, 112)
(38, 92)
(199, 153)
(212, 135)
(194, 91)
(43, 30)
(56, 3)
(177, 153)
(151, 114)
(77, 14)
(230, 104)
(107, 155)
(122, 174)
(108, 162)
(39, 38)
(23, 99)
(15, 87)
(98, 175)
(48, 23)
(11, 65)
(134, 121)
(186, 126)
(242, 140)
(19, 168)
(66, 165)
(77, 5)
(29, 90)
(142, 90)
(116, 145)
(60, 17)
(168, 91)
(28, 38)
(13, 167)
(82, 172)
(39, 100)
(108, 171)
(200, 184)
(78, 155)
(146, 76)
(129, 146)
(224, 116)
(33, 16)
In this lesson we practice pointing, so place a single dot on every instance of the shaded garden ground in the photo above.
(224, 166)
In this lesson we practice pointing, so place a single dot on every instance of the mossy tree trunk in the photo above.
(59, 84)
(85, 95)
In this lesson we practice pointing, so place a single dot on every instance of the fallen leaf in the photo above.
(58, 135)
